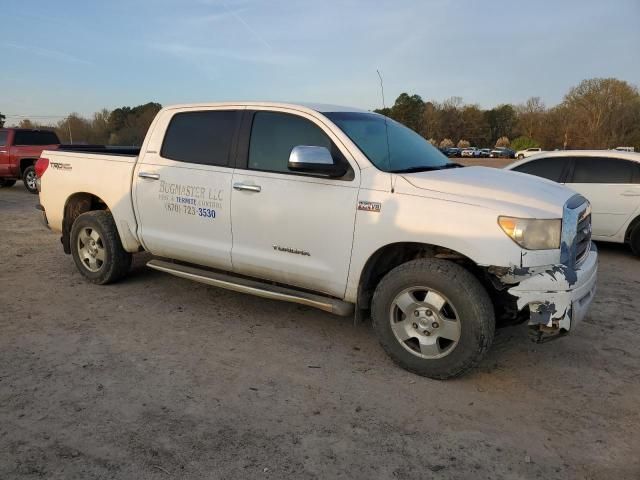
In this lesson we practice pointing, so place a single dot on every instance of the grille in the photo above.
(583, 238)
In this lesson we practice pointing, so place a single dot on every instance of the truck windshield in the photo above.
(406, 151)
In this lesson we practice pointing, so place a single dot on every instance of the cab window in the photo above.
(3, 138)
(274, 135)
(203, 137)
(602, 170)
(551, 168)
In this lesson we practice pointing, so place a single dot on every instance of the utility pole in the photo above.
(69, 127)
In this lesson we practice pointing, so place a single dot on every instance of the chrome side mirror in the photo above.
(314, 160)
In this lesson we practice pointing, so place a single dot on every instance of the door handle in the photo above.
(249, 188)
(631, 193)
(150, 176)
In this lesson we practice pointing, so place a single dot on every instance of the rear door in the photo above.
(4, 153)
(608, 183)
(288, 227)
(182, 187)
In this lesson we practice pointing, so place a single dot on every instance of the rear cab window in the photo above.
(35, 137)
(201, 137)
(4, 136)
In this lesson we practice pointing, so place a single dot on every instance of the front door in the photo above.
(182, 191)
(291, 228)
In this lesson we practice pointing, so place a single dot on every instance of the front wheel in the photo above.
(520, 157)
(29, 179)
(96, 248)
(433, 318)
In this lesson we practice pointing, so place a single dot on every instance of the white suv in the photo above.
(609, 179)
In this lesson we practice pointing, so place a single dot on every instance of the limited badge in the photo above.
(369, 206)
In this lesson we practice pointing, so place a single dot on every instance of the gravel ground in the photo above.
(157, 377)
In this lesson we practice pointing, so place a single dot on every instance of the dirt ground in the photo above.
(158, 378)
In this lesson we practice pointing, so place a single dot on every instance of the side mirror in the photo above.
(314, 160)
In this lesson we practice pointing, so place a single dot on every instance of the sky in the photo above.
(82, 56)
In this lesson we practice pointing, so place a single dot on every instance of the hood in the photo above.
(491, 186)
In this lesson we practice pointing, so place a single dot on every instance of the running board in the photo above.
(254, 287)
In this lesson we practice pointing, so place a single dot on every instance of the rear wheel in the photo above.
(433, 318)
(29, 179)
(520, 157)
(96, 248)
(5, 183)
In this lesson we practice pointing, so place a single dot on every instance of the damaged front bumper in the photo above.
(558, 297)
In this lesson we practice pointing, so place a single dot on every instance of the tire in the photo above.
(520, 157)
(29, 179)
(634, 240)
(96, 248)
(467, 310)
(6, 183)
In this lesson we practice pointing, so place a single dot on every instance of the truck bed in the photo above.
(103, 172)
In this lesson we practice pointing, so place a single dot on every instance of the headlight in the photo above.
(531, 233)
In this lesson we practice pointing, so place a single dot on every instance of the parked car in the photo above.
(502, 152)
(452, 152)
(527, 152)
(625, 149)
(468, 152)
(484, 152)
(323, 216)
(610, 180)
(19, 150)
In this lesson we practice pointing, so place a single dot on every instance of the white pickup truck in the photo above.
(335, 208)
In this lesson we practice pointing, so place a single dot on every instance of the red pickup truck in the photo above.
(19, 150)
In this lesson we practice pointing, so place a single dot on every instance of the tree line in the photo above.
(122, 126)
(597, 113)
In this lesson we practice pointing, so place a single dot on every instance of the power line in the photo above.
(33, 116)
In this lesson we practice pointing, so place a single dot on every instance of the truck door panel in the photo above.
(182, 191)
(291, 228)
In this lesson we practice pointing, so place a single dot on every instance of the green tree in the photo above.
(502, 121)
(2, 119)
(475, 126)
(523, 142)
(128, 126)
(408, 110)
